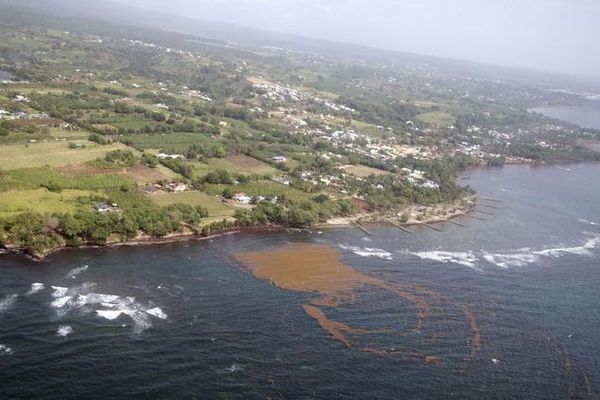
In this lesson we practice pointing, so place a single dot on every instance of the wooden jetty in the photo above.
(473, 216)
(362, 228)
(482, 212)
(489, 206)
(488, 199)
(456, 223)
(400, 226)
(435, 228)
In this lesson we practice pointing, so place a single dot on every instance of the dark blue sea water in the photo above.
(586, 117)
(186, 321)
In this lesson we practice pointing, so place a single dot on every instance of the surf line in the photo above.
(317, 269)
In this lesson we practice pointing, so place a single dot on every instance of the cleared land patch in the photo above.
(262, 188)
(363, 171)
(140, 174)
(437, 118)
(54, 154)
(194, 198)
(234, 164)
(43, 201)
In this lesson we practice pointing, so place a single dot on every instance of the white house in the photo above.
(163, 156)
(242, 198)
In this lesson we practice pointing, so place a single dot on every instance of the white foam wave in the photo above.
(468, 259)
(5, 350)
(509, 260)
(109, 314)
(35, 287)
(61, 301)
(76, 271)
(368, 252)
(580, 250)
(157, 312)
(585, 221)
(59, 291)
(108, 306)
(64, 331)
(7, 302)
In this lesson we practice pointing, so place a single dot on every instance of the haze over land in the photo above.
(553, 35)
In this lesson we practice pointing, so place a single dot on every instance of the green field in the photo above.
(43, 201)
(212, 204)
(436, 118)
(262, 188)
(35, 178)
(54, 154)
(235, 164)
(363, 171)
(169, 142)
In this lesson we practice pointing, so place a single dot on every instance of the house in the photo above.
(242, 198)
(279, 158)
(177, 187)
(102, 207)
(282, 180)
(21, 98)
(151, 189)
(163, 156)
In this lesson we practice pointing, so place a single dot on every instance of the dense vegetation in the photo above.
(105, 125)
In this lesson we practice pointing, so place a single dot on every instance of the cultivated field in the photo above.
(263, 188)
(362, 171)
(213, 205)
(436, 118)
(234, 164)
(43, 201)
(54, 154)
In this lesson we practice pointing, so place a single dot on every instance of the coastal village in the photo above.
(205, 142)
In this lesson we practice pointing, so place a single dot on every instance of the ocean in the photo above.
(506, 306)
(586, 117)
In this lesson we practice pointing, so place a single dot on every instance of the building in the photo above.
(242, 198)
(102, 207)
(177, 187)
(163, 156)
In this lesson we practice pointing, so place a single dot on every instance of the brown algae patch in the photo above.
(317, 269)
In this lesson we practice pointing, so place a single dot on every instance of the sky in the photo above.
(550, 35)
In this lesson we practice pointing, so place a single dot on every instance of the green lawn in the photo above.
(263, 188)
(54, 154)
(362, 171)
(43, 201)
(437, 118)
(235, 164)
(212, 204)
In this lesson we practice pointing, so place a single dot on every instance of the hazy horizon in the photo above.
(550, 35)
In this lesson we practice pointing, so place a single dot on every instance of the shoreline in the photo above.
(372, 219)
(175, 238)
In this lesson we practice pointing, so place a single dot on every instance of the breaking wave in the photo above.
(581, 250)
(368, 252)
(107, 306)
(585, 221)
(5, 350)
(64, 331)
(468, 259)
(507, 259)
(7, 302)
(35, 287)
(74, 273)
